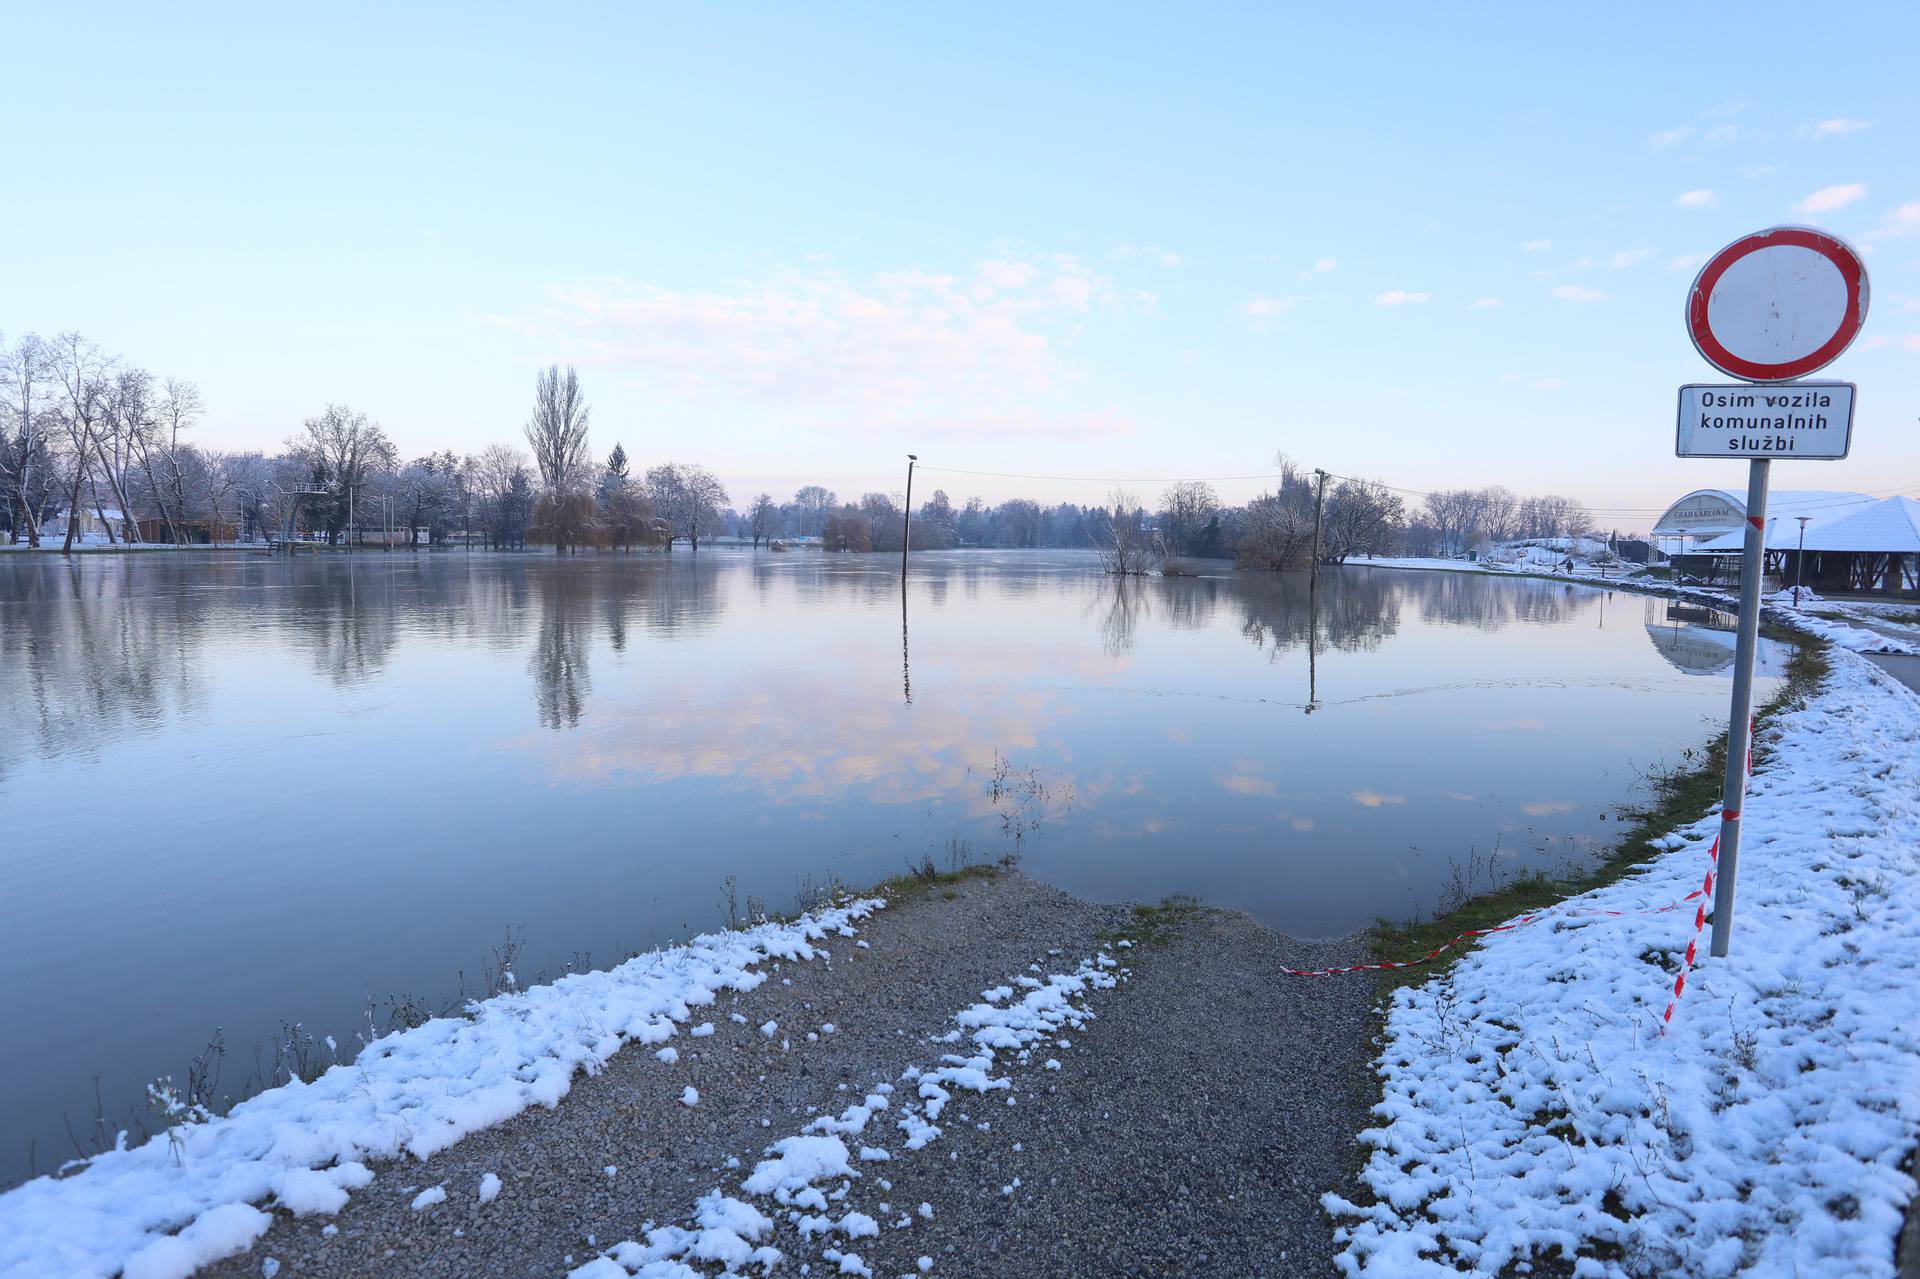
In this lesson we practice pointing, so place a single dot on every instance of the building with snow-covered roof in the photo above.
(1705, 514)
(1870, 548)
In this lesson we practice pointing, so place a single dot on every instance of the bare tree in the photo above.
(225, 475)
(1126, 543)
(761, 517)
(688, 498)
(1361, 515)
(557, 433)
(1185, 510)
(84, 377)
(813, 503)
(505, 487)
(25, 372)
(344, 450)
(1277, 529)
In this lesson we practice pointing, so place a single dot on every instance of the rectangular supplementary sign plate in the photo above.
(1810, 421)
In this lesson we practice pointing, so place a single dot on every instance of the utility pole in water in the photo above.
(1319, 501)
(906, 520)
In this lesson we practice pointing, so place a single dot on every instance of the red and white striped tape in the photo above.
(1693, 942)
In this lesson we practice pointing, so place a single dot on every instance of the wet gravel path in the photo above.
(1190, 1128)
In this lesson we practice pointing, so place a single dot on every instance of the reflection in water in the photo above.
(586, 745)
(1121, 603)
(1702, 641)
(1354, 613)
(561, 679)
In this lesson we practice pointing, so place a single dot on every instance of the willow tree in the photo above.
(557, 433)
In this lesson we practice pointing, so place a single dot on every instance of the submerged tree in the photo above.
(1126, 543)
(761, 517)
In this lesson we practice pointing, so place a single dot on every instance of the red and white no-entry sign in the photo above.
(1778, 304)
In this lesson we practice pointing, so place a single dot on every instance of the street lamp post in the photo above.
(1800, 559)
(906, 520)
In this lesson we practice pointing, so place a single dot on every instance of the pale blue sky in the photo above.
(795, 243)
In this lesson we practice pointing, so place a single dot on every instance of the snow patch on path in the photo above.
(797, 1170)
(415, 1092)
(1531, 1102)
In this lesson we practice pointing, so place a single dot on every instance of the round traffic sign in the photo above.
(1778, 304)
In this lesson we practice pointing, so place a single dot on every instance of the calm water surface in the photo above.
(239, 790)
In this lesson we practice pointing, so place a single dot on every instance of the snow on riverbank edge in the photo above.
(415, 1093)
(1530, 1102)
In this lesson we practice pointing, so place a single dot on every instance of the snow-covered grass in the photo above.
(162, 1209)
(1532, 1106)
(811, 1179)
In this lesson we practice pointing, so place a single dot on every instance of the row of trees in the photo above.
(92, 445)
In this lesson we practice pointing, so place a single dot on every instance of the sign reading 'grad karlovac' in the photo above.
(1791, 420)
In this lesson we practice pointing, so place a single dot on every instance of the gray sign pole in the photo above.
(1740, 723)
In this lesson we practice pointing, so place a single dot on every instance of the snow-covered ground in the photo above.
(184, 1199)
(1532, 1102)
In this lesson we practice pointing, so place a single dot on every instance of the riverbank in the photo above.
(1537, 1104)
(1124, 1092)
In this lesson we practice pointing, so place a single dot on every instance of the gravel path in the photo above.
(1190, 1128)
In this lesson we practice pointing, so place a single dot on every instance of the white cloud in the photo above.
(1583, 264)
(1911, 304)
(1686, 262)
(1903, 221)
(1574, 293)
(1723, 133)
(1264, 308)
(1672, 137)
(1487, 304)
(1911, 342)
(1400, 297)
(1827, 199)
(1838, 127)
(1628, 257)
(1549, 383)
(1323, 265)
(1126, 250)
(1536, 246)
(987, 341)
(1755, 170)
(1701, 199)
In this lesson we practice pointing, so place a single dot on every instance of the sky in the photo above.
(1432, 245)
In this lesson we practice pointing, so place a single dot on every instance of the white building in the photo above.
(1853, 543)
(1706, 514)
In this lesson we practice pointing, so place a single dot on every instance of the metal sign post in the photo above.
(1733, 794)
(1768, 309)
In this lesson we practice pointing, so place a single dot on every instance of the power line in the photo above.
(1107, 479)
